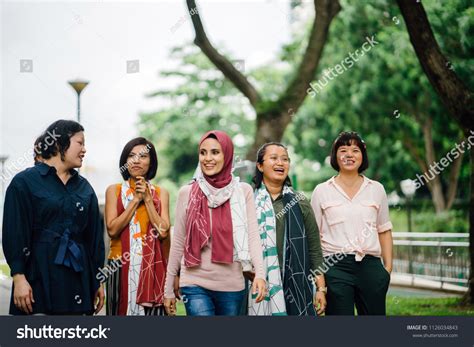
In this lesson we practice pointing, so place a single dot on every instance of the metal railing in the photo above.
(442, 257)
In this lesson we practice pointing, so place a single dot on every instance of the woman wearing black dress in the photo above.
(53, 231)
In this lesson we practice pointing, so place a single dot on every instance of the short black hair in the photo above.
(123, 167)
(258, 177)
(36, 147)
(56, 139)
(348, 138)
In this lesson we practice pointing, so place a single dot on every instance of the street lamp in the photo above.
(78, 86)
(408, 188)
(3, 159)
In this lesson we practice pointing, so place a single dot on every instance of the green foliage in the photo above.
(385, 96)
(408, 306)
(202, 100)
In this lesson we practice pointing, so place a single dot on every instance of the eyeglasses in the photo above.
(274, 159)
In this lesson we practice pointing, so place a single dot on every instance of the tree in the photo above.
(387, 98)
(273, 116)
(456, 97)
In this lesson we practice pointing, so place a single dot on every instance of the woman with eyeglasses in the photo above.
(215, 236)
(290, 240)
(352, 214)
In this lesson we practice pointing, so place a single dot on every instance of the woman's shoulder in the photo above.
(246, 188)
(184, 190)
(323, 185)
(376, 184)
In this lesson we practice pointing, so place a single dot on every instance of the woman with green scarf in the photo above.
(290, 241)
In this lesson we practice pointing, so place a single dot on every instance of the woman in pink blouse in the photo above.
(215, 236)
(355, 229)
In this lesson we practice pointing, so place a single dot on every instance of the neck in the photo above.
(273, 188)
(62, 170)
(348, 175)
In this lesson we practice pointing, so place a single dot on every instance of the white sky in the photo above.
(93, 41)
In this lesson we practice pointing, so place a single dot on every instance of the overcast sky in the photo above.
(93, 41)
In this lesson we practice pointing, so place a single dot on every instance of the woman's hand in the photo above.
(160, 232)
(148, 195)
(99, 299)
(170, 306)
(22, 294)
(319, 302)
(140, 188)
(259, 286)
(176, 287)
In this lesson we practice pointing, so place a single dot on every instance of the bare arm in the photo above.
(115, 224)
(163, 220)
(386, 243)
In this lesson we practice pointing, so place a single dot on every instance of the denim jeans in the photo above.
(204, 302)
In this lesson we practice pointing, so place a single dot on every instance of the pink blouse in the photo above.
(209, 275)
(351, 226)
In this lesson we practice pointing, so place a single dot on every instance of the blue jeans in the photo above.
(204, 302)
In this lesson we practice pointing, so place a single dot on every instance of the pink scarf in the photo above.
(198, 220)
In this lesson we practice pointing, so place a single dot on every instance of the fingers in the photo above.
(170, 307)
(261, 292)
(99, 299)
(258, 286)
(101, 302)
(26, 304)
(320, 304)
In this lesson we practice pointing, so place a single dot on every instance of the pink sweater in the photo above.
(209, 275)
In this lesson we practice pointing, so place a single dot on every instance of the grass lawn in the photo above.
(410, 306)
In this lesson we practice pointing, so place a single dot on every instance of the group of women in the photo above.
(235, 249)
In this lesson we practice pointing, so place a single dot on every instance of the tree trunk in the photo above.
(469, 297)
(452, 91)
(273, 116)
(453, 181)
(270, 127)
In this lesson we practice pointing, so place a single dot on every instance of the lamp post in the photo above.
(408, 188)
(3, 159)
(78, 86)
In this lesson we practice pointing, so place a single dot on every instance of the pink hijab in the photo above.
(198, 219)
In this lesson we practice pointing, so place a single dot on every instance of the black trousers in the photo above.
(350, 283)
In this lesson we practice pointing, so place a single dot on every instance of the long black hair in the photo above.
(258, 177)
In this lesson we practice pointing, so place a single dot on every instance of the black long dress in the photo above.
(53, 234)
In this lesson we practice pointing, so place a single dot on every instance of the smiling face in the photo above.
(74, 155)
(211, 157)
(275, 165)
(349, 158)
(138, 161)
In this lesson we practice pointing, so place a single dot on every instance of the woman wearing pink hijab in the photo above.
(215, 236)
